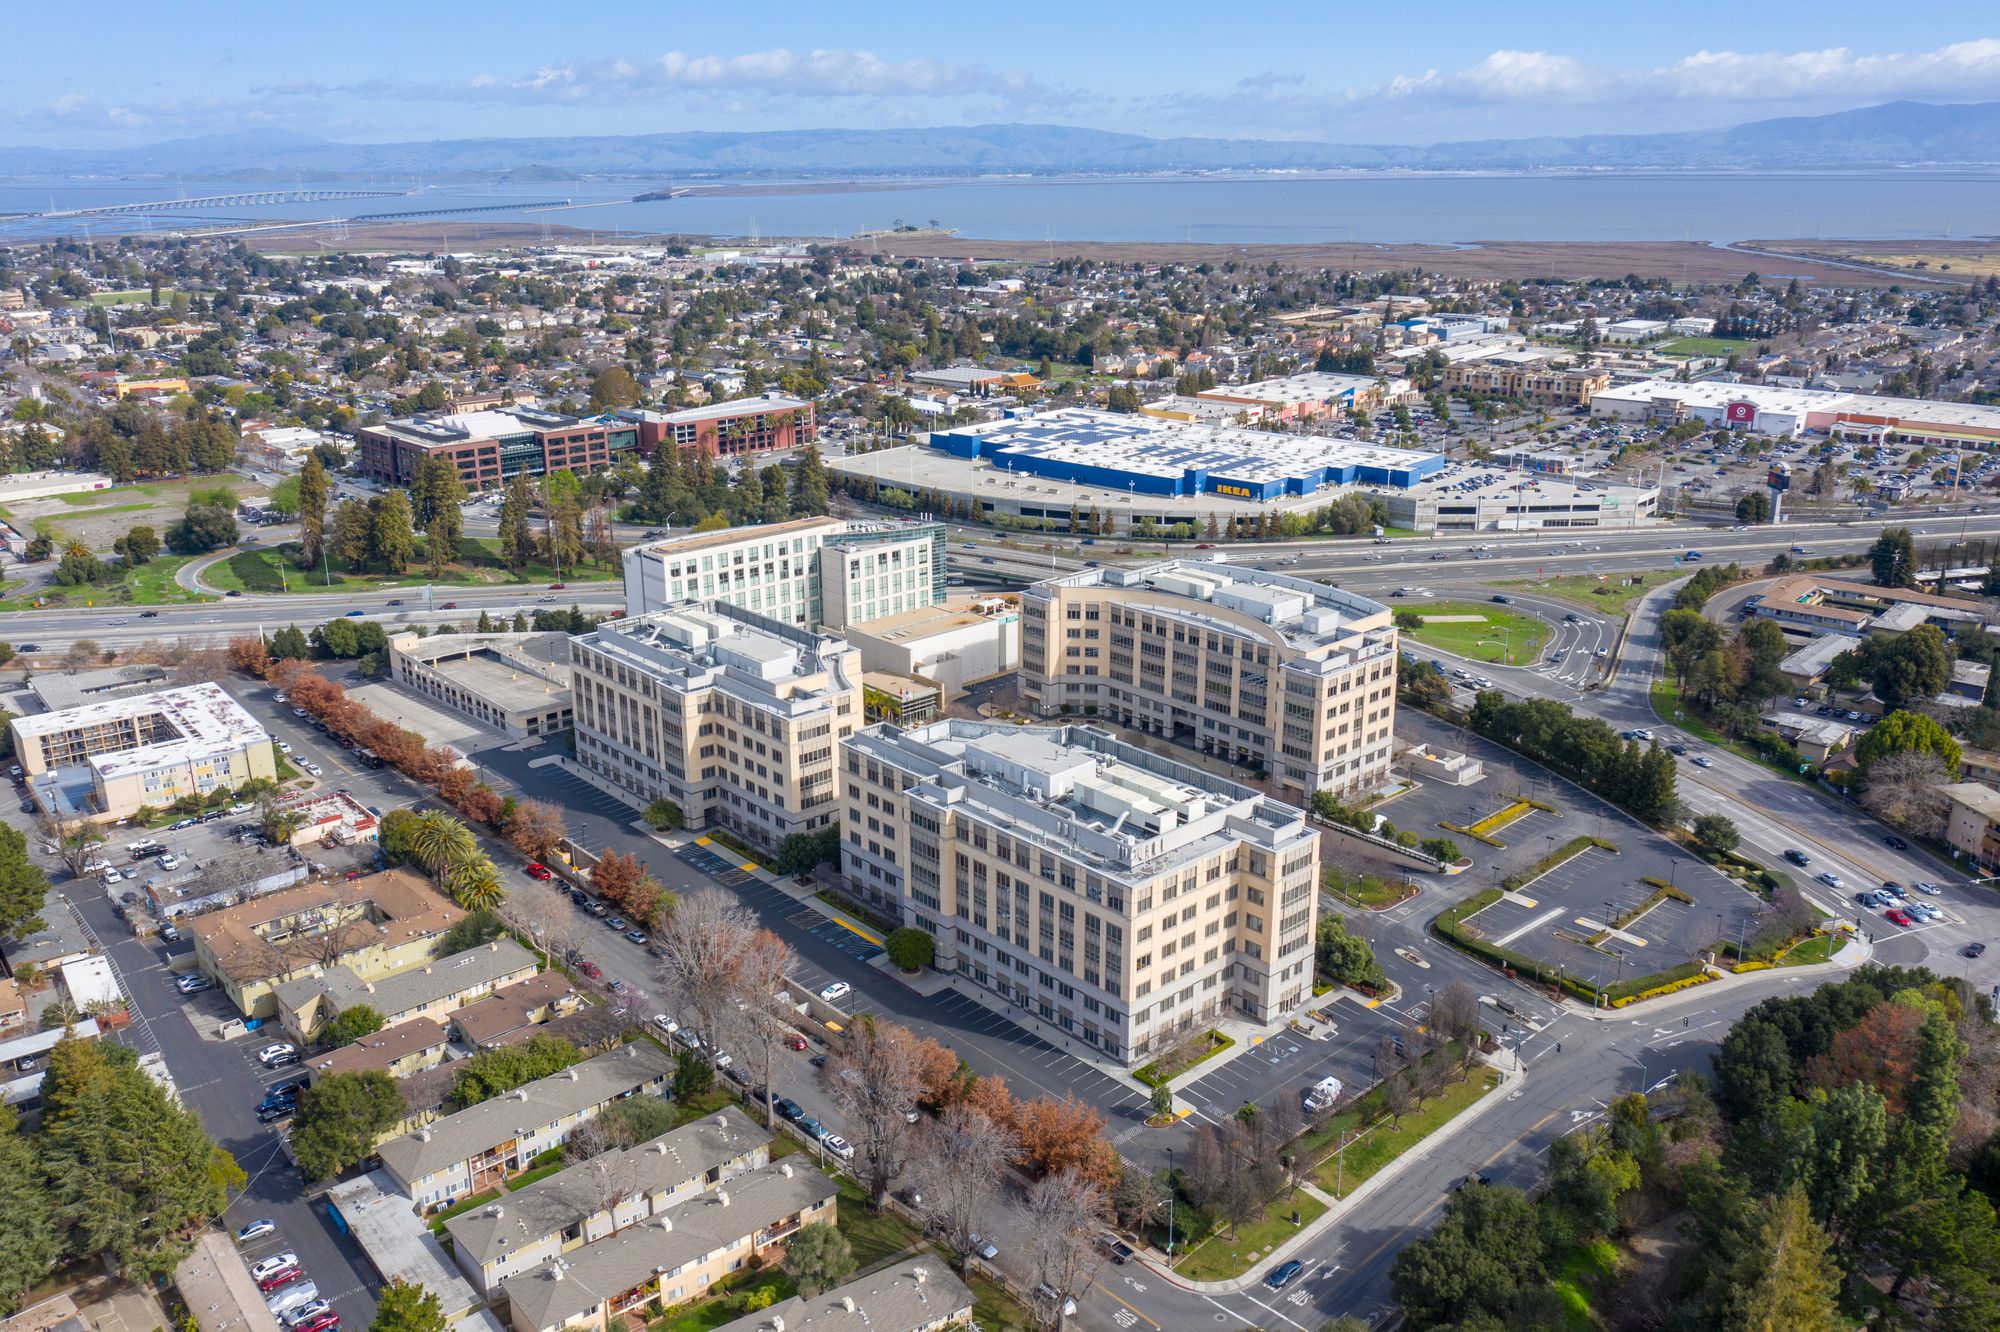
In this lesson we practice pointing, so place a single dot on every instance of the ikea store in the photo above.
(1148, 456)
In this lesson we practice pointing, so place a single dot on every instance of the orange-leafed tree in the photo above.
(1879, 1051)
(1066, 1135)
(249, 656)
(536, 829)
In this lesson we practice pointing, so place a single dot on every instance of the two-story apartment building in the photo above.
(1086, 888)
(673, 1255)
(476, 1148)
(1295, 676)
(731, 716)
(918, 1294)
(611, 1191)
(375, 927)
(307, 1003)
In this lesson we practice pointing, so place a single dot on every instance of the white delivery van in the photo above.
(1321, 1095)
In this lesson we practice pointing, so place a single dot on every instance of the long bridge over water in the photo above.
(248, 199)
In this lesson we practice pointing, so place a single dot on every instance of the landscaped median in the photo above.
(1197, 1049)
(1513, 812)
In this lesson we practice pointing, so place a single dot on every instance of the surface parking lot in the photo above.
(1549, 918)
(1282, 1066)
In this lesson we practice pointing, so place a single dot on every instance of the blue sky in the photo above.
(111, 74)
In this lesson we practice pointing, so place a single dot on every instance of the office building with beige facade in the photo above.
(734, 717)
(807, 572)
(1086, 888)
(1294, 677)
(1528, 376)
(106, 759)
(373, 927)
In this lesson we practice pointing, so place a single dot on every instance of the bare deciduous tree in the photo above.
(960, 1159)
(1398, 1098)
(1388, 1060)
(75, 840)
(1206, 1170)
(1455, 1016)
(876, 1080)
(1066, 1212)
(762, 1024)
(702, 945)
(1907, 789)
(600, 1170)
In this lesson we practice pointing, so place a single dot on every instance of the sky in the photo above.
(106, 74)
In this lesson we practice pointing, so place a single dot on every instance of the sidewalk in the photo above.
(1511, 1079)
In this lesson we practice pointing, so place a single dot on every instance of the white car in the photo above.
(837, 990)
(256, 1230)
(1832, 880)
(113, 875)
(277, 1262)
(665, 1023)
(305, 1313)
(1930, 888)
(170, 861)
(1703, 761)
(96, 866)
(271, 1054)
(284, 746)
(839, 1146)
(312, 768)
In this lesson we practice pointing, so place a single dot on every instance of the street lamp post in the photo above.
(1170, 1207)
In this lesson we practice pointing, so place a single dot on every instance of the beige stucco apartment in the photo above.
(432, 989)
(477, 1148)
(374, 927)
(592, 1199)
(1084, 887)
(1295, 676)
(674, 1255)
(105, 759)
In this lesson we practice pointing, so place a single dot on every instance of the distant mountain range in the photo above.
(1894, 134)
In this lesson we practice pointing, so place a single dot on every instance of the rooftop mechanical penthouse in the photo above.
(1085, 887)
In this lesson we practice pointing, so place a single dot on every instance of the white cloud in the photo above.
(1960, 70)
(779, 71)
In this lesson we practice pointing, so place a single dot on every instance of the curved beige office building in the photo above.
(1295, 676)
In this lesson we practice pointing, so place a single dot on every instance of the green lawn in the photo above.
(126, 297)
(994, 1310)
(149, 585)
(716, 1310)
(90, 499)
(872, 1235)
(1613, 594)
(700, 1107)
(1811, 951)
(1369, 892)
(1382, 1144)
(1223, 1255)
(460, 1208)
(527, 1177)
(272, 569)
(1702, 346)
(1152, 1075)
(1479, 638)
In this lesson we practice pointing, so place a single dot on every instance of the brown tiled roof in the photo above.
(504, 1015)
(407, 908)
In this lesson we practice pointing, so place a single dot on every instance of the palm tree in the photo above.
(440, 841)
(475, 884)
(76, 546)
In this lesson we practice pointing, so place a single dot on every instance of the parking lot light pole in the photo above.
(1170, 1207)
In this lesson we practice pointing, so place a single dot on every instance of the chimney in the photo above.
(847, 1303)
(722, 1197)
(423, 1135)
(777, 1323)
(722, 1121)
(922, 1274)
(785, 1169)
(572, 1073)
(666, 1223)
(556, 1272)
(659, 1149)
(496, 1211)
(521, 1093)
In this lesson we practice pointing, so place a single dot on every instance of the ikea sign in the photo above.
(1244, 491)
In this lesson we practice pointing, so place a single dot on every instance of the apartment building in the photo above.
(599, 1197)
(1529, 380)
(478, 1148)
(103, 760)
(373, 927)
(732, 716)
(1085, 887)
(675, 1255)
(492, 445)
(807, 572)
(307, 1003)
(918, 1294)
(1296, 677)
(761, 424)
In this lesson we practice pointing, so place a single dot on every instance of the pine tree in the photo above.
(312, 509)
(29, 1244)
(353, 534)
(485, 623)
(810, 488)
(1786, 1279)
(392, 534)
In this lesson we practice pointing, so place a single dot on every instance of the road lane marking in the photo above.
(1114, 1295)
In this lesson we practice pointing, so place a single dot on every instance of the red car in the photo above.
(320, 1322)
(449, 605)
(796, 1041)
(557, 587)
(537, 870)
(589, 969)
(284, 1276)
(1898, 917)
(1204, 545)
